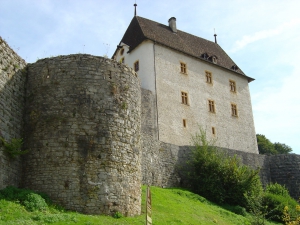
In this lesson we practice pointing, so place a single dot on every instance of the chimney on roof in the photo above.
(172, 24)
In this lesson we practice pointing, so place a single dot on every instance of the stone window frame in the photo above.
(213, 130)
(184, 123)
(234, 110)
(136, 66)
(232, 85)
(184, 98)
(209, 77)
(183, 68)
(211, 106)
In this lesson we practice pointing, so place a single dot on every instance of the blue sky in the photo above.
(262, 37)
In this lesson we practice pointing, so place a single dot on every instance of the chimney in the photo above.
(172, 24)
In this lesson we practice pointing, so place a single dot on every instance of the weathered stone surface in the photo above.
(12, 90)
(82, 126)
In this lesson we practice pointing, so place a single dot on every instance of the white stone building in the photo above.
(195, 83)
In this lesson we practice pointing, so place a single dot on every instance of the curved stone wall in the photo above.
(82, 126)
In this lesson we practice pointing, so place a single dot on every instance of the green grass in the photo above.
(169, 206)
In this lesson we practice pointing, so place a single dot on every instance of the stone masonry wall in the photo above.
(163, 163)
(285, 170)
(83, 131)
(12, 80)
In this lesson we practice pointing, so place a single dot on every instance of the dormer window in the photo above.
(234, 68)
(213, 59)
(204, 55)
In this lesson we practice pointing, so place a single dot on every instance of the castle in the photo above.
(195, 83)
(97, 129)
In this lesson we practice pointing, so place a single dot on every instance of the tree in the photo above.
(265, 146)
(282, 148)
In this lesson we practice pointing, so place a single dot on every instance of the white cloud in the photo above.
(248, 39)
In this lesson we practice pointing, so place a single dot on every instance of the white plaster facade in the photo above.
(159, 71)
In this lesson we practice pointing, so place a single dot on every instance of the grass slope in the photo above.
(169, 206)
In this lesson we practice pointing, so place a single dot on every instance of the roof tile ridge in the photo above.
(137, 18)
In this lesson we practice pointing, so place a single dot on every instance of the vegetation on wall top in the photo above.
(265, 146)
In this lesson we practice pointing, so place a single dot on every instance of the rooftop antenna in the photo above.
(135, 5)
(215, 36)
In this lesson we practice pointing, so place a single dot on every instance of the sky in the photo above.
(261, 36)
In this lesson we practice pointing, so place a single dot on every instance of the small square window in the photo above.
(234, 110)
(183, 67)
(184, 98)
(122, 60)
(136, 66)
(184, 122)
(211, 106)
(213, 130)
(232, 86)
(208, 77)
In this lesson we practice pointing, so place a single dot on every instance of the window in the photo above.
(184, 98)
(184, 122)
(208, 77)
(122, 51)
(136, 66)
(232, 86)
(234, 110)
(214, 60)
(122, 60)
(211, 106)
(183, 67)
(213, 130)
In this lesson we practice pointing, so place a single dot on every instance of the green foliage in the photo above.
(282, 148)
(277, 189)
(35, 202)
(256, 207)
(275, 199)
(117, 215)
(265, 146)
(291, 220)
(14, 147)
(32, 201)
(218, 177)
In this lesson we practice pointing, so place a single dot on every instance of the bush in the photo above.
(31, 200)
(275, 206)
(35, 202)
(291, 220)
(218, 177)
(277, 189)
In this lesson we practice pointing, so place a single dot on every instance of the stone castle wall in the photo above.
(82, 126)
(162, 163)
(12, 87)
(93, 137)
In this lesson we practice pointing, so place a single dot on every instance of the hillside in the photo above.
(169, 206)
